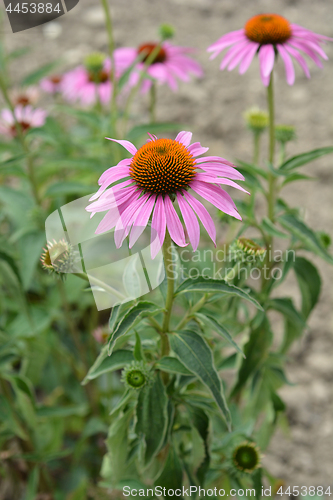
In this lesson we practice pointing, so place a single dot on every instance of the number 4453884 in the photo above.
(31, 8)
(310, 491)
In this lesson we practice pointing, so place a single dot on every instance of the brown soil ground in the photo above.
(212, 108)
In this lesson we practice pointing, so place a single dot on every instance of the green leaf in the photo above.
(210, 285)
(309, 282)
(152, 418)
(172, 365)
(12, 264)
(250, 179)
(285, 306)
(131, 318)
(270, 228)
(194, 353)
(138, 352)
(14, 54)
(172, 473)
(153, 128)
(123, 400)
(302, 159)
(114, 463)
(67, 188)
(303, 233)
(40, 73)
(256, 349)
(31, 248)
(107, 364)
(32, 486)
(296, 177)
(220, 329)
(252, 169)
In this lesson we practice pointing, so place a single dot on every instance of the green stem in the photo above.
(271, 177)
(192, 311)
(100, 283)
(109, 29)
(20, 135)
(232, 273)
(152, 104)
(168, 263)
(256, 149)
(136, 88)
(282, 153)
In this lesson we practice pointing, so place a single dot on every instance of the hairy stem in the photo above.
(152, 104)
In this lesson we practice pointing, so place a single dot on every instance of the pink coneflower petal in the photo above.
(203, 215)
(223, 171)
(304, 48)
(212, 179)
(299, 58)
(238, 58)
(141, 220)
(101, 205)
(266, 59)
(290, 70)
(174, 225)
(126, 144)
(191, 222)
(196, 149)
(126, 220)
(111, 218)
(231, 53)
(158, 227)
(184, 138)
(217, 197)
(247, 59)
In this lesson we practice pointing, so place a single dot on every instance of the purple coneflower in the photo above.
(157, 174)
(26, 116)
(270, 35)
(169, 63)
(52, 84)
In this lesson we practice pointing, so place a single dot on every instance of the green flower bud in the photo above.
(285, 133)
(136, 375)
(244, 249)
(324, 239)
(256, 119)
(166, 31)
(59, 257)
(246, 457)
(94, 62)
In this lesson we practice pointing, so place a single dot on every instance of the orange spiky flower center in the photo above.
(268, 28)
(162, 166)
(146, 49)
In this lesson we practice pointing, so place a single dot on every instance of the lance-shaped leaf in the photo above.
(309, 283)
(302, 159)
(131, 318)
(152, 418)
(271, 229)
(256, 349)
(172, 474)
(304, 234)
(194, 353)
(172, 365)
(210, 285)
(285, 306)
(105, 363)
(220, 329)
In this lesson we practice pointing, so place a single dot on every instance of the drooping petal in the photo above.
(126, 144)
(158, 227)
(231, 53)
(191, 221)
(141, 220)
(247, 59)
(266, 59)
(299, 58)
(212, 179)
(290, 70)
(126, 220)
(217, 197)
(238, 58)
(203, 215)
(174, 225)
(110, 219)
